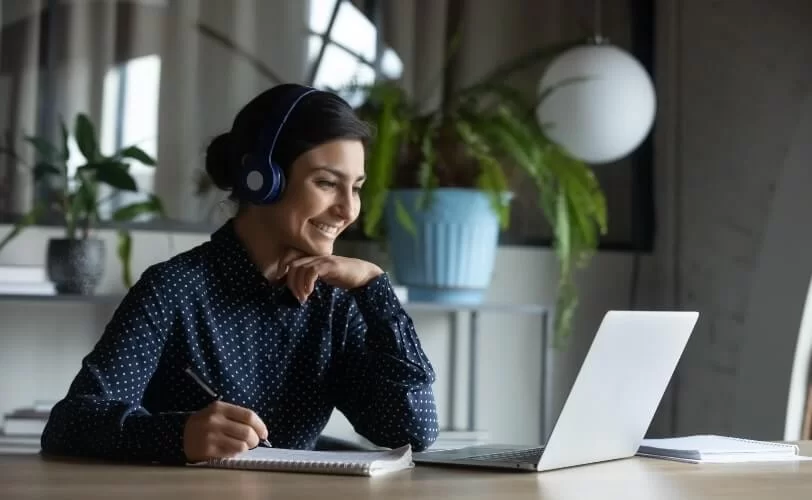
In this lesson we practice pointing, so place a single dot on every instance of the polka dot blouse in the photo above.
(210, 309)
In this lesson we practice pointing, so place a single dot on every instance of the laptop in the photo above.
(612, 401)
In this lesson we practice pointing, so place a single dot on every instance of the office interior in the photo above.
(705, 206)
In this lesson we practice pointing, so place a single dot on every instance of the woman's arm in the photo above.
(101, 415)
(385, 378)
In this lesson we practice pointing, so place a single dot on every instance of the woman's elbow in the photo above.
(424, 440)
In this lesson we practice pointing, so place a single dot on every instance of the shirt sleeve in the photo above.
(101, 416)
(385, 378)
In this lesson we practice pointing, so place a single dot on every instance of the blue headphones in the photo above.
(261, 181)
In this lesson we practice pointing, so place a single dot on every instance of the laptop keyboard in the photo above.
(531, 455)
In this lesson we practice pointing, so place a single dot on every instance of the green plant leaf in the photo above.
(86, 138)
(47, 151)
(390, 129)
(43, 170)
(65, 150)
(124, 251)
(139, 154)
(491, 178)
(404, 218)
(114, 174)
(82, 208)
(134, 210)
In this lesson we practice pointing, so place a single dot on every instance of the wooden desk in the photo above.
(32, 477)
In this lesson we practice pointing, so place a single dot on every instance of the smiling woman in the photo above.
(281, 328)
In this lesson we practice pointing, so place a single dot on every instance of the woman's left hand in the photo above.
(342, 272)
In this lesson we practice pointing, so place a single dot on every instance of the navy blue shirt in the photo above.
(211, 309)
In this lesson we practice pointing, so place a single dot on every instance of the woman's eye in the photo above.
(356, 189)
(326, 184)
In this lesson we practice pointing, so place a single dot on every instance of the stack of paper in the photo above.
(717, 449)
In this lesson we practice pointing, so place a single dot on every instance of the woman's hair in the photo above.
(318, 118)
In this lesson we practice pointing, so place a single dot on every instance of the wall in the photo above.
(736, 130)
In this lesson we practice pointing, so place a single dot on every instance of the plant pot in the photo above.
(75, 266)
(450, 259)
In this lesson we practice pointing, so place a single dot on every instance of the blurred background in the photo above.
(693, 122)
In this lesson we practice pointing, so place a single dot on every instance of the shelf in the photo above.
(90, 299)
(412, 306)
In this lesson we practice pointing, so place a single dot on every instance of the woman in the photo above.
(279, 327)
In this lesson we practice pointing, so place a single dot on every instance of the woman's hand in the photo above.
(221, 430)
(342, 272)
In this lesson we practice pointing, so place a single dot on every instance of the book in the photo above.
(23, 445)
(359, 463)
(26, 421)
(12, 273)
(710, 448)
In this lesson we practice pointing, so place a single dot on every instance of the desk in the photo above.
(27, 477)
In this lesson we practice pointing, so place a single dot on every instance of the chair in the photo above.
(806, 433)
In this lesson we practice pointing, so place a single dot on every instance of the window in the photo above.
(129, 117)
(350, 50)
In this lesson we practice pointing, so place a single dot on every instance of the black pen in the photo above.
(216, 396)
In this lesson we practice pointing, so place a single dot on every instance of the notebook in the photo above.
(359, 463)
(711, 448)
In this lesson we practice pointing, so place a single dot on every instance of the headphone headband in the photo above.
(261, 181)
(293, 99)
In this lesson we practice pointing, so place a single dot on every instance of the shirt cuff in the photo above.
(157, 437)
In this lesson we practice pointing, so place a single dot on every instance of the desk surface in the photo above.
(33, 477)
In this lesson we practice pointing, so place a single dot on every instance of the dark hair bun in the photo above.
(218, 162)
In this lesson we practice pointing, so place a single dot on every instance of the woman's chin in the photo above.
(316, 249)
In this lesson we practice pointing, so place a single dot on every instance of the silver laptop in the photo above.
(611, 404)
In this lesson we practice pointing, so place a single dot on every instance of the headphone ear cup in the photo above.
(278, 183)
(253, 181)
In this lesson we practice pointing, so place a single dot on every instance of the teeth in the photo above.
(325, 228)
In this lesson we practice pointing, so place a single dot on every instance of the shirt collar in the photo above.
(234, 261)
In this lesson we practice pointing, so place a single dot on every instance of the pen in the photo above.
(216, 396)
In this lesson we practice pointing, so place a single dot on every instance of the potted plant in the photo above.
(75, 263)
(438, 189)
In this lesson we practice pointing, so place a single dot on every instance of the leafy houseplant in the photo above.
(481, 140)
(75, 262)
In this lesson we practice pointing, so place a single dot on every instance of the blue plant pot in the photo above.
(450, 259)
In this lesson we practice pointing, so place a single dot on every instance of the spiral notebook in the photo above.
(710, 448)
(359, 463)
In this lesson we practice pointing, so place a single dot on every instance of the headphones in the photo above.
(261, 181)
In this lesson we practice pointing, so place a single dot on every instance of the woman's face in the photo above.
(321, 199)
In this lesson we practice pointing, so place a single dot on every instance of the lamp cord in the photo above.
(597, 20)
(597, 37)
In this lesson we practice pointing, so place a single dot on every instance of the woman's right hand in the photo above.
(221, 430)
